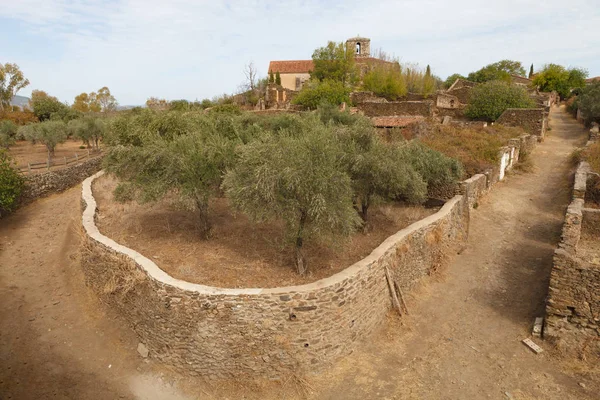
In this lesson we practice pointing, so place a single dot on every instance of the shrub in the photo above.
(489, 100)
(316, 93)
(589, 102)
(385, 81)
(438, 170)
(11, 184)
(299, 178)
(227, 108)
(8, 132)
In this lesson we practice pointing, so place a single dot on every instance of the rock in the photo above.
(143, 350)
(582, 384)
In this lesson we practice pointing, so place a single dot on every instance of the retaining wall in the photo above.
(46, 183)
(533, 120)
(220, 333)
(397, 108)
(573, 302)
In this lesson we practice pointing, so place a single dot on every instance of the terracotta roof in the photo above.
(291, 66)
(400, 122)
(592, 80)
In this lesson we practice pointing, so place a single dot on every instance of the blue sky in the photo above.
(191, 49)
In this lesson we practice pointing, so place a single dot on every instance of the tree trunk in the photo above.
(204, 224)
(301, 265)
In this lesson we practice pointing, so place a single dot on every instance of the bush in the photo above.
(316, 93)
(11, 184)
(489, 100)
(8, 132)
(557, 78)
(589, 103)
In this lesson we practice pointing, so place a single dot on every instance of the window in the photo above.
(298, 83)
(452, 103)
(357, 47)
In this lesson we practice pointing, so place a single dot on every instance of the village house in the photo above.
(294, 73)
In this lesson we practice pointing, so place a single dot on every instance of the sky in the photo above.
(196, 49)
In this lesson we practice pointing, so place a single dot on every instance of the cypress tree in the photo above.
(277, 78)
(531, 71)
(271, 77)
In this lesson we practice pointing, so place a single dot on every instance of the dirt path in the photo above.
(462, 340)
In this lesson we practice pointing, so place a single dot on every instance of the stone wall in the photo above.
(43, 184)
(532, 120)
(463, 93)
(397, 108)
(221, 333)
(445, 100)
(573, 302)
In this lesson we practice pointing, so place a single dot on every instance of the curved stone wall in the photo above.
(230, 332)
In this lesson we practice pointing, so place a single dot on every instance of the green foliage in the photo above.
(11, 184)
(489, 100)
(437, 170)
(334, 63)
(451, 79)
(271, 77)
(557, 78)
(589, 102)
(329, 113)
(89, 129)
(11, 81)
(531, 72)
(190, 165)
(49, 133)
(385, 81)
(429, 84)
(44, 105)
(298, 178)
(180, 105)
(498, 71)
(316, 93)
(226, 109)
(8, 132)
(278, 78)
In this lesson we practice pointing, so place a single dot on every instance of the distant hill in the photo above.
(20, 101)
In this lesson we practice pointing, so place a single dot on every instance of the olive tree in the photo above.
(297, 177)
(8, 131)
(589, 102)
(89, 129)
(191, 165)
(50, 133)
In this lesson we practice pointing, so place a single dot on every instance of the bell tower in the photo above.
(359, 46)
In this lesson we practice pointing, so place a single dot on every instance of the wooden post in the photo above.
(397, 287)
(29, 168)
(88, 150)
(66, 160)
(48, 164)
(395, 301)
(76, 157)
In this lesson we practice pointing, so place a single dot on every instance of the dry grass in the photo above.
(240, 253)
(476, 148)
(24, 152)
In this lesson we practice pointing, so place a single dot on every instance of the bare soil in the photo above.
(24, 152)
(462, 339)
(239, 253)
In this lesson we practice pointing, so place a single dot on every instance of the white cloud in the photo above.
(196, 49)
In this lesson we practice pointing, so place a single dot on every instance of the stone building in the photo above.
(521, 81)
(294, 73)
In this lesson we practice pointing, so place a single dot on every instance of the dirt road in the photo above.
(463, 338)
(461, 341)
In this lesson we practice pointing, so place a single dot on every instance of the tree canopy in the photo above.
(11, 81)
(554, 77)
(498, 71)
(335, 63)
(385, 81)
(588, 102)
(489, 100)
